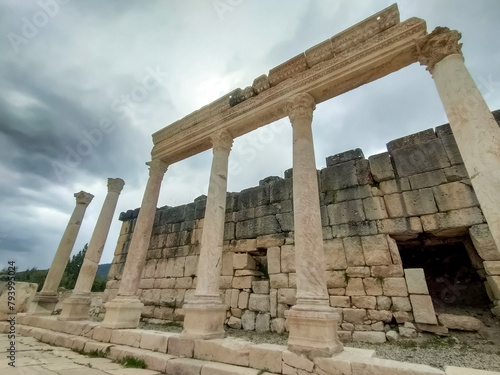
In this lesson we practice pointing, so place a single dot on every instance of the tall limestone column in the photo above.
(474, 127)
(124, 311)
(77, 306)
(312, 322)
(205, 314)
(47, 299)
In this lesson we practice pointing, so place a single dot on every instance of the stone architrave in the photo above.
(312, 322)
(76, 307)
(205, 313)
(476, 132)
(47, 298)
(124, 311)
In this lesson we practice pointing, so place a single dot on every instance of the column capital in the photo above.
(301, 105)
(434, 47)
(83, 198)
(115, 185)
(222, 140)
(157, 167)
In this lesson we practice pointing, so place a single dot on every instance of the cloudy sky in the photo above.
(84, 84)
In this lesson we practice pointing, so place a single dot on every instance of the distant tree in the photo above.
(32, 275)
(73, 269)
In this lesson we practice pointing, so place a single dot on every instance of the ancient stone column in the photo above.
(474, 127)
(124, 311)
(47, 299)
(205, 314)
(76, 307)
(312, 322)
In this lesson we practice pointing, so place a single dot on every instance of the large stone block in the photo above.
(452, 219)
(287, 296)
(231, 351)
(334, 255)
(358, 271)
(451, 148)
(394, 287)
(355, 316)
(427, 179)
(259, 302)
(280, 190)
(381, 167)
(285, 220)
(364, 302)
(345, 156)
(483, 242)
(274, 260)
(415, 281)
(358, 228)
(462, 323)
(376, 250)
(353, 251)
(494, 284)
(454, 196)
(248, 320)
(423, 310)
(373, 286)
(287, 258)
(253, 197)
(262, 322)
(184, 366)
(267, 225)
(243, 282)
(419, 202)
(336, 279)
(372, 337)
(406, 225)
(355, 287)
(278, 280)
(492, 268)
(375, 208)
(340, 301)
(247, 229)
(420, 157)
(401, 304)
(243, 261)
(266, 357)
(338, 177)
(346, 212)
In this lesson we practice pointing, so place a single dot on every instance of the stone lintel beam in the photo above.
(382, 54)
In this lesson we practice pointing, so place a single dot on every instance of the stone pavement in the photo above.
(36, 358)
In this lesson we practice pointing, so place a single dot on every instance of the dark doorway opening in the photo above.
(452, 279)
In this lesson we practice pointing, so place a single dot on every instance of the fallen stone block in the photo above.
(458, 322)
(373, 337)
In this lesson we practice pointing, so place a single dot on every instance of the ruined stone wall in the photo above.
(418, 188)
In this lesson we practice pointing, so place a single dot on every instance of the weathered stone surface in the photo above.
(384, 303)
(454, 196)
(298, 361)
(406, 225)
(373, 286)
(335, 254)
(374, 208)
(248, 320)
(358, 271)
(401, 304)
(345, 156)
(415, 281)
(243, 282)
(274, 260)
(234, 322)
(287, 296)
(266, 357)
(346, 212)
(227, 350)
(259, 302)
(340, 301)
(260, 287)
(483, 242)
(279, 280)
(243, 261)
(355, 287)
(262, 322)
(354, 251)
(380, 315)
(24, 296)
(420, 157)
(356, 316)
(287, 258)
(394, 287)
(392, 336)
(459, 322)
(451, 370)
(381, 167)
(492, 268)
(278, 325)
(423, 309)
(427, 179)
(364, 302)
(376, 250)
(395, 270)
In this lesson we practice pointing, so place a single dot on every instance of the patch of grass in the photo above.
(95, 353)
(437, 342)
(131, 362)
(263, 371)
(406, 344)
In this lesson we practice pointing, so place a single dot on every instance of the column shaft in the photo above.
(204, 316)
(312, 322)
(47, 298)
(476, 132)
(124, 311)
(76, 307)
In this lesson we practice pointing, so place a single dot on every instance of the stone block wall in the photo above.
(420, 186)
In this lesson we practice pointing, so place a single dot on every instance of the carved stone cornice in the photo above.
(115, 185)
(435, 46)
(301, 105)
(157, 168)
(222, 141)
(83, 198)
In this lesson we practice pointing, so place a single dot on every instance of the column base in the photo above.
(122, 312)
(204, 320)
(44, 304)
(75, 307)
(313, 331)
